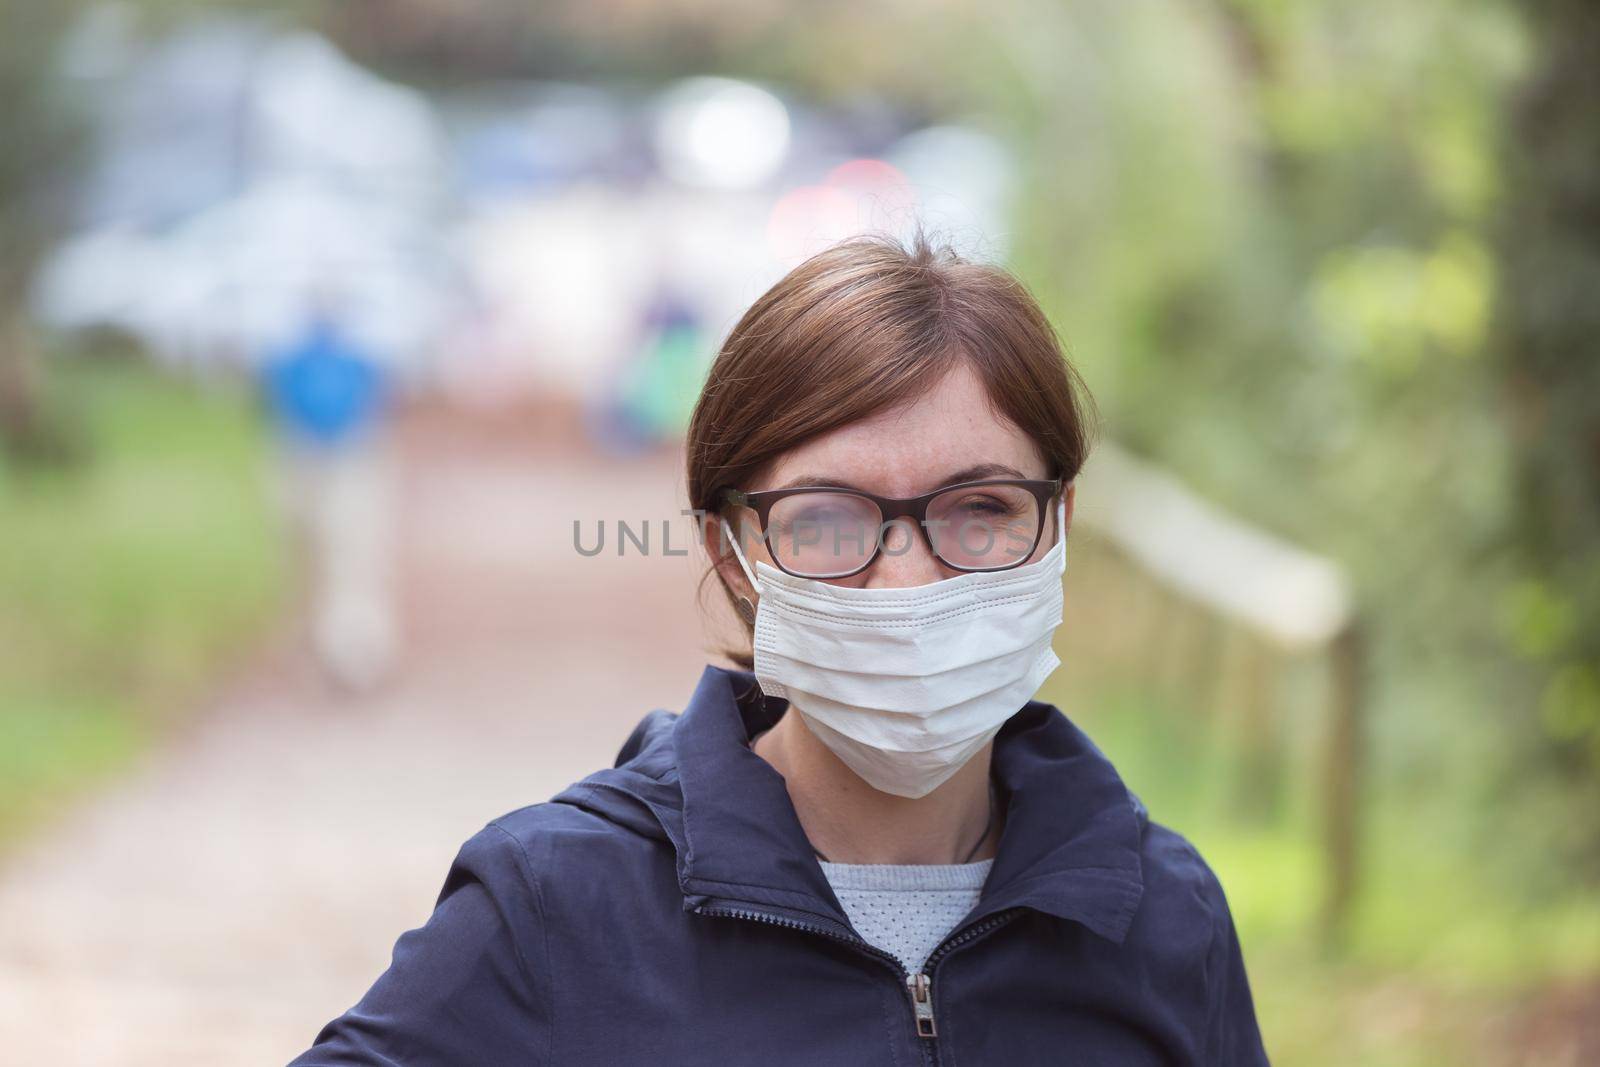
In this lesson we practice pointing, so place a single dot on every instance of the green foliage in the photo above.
(124, 579)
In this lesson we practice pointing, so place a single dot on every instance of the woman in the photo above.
(870, 845)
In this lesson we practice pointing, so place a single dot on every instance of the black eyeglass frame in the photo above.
(891, 508)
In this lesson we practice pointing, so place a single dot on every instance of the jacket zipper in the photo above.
(919, 986)
(922, 1003)
(795, 924)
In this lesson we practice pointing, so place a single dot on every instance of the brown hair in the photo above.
(865, 325)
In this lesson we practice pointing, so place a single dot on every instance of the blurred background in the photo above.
(338, 340)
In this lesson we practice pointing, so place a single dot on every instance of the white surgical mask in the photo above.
(905, 685)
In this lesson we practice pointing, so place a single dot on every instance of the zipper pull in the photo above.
(922, 1003)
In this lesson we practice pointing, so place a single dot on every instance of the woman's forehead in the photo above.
(917, 446)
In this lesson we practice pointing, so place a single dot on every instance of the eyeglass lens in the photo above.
(826, 534)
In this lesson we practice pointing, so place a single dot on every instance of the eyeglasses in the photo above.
(992, 524)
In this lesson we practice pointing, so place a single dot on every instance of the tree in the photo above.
(1548, 351)
(39, 137)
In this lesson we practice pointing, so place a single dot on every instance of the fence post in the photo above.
(1342, 773)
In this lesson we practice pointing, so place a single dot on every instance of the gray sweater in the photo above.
(907, 909)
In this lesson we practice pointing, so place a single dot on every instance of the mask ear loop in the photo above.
(740, 554)
(1061, 530)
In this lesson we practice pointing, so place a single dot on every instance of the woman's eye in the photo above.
(986, 506)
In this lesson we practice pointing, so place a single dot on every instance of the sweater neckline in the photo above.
(908, 877)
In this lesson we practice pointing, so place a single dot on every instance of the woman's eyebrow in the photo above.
(818, 481)
(968, 474)
(982, 470)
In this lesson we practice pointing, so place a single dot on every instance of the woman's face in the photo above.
(948, 435)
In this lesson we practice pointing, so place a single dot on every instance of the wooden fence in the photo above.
(1196, 588)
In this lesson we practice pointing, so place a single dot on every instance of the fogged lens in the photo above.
(822, 535)
(983, 527)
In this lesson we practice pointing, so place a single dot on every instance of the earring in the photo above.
(747, 609)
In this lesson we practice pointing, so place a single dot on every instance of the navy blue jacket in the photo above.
(669, 910)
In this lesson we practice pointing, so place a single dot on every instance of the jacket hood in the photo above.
(1070, 846)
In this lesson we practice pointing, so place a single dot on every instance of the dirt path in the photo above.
(247, 882)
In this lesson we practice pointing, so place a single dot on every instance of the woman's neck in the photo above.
(848, 821)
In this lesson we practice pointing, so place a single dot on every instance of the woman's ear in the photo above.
(1068, 492)
(718, 540)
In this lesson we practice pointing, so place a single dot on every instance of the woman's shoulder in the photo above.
(1183, 907)
(1172, 861)
(1185, 921)
(597, 827)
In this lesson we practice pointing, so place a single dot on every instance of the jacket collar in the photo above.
(1070, 846)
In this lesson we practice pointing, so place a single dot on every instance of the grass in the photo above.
(124, 576)
(1440, 963)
